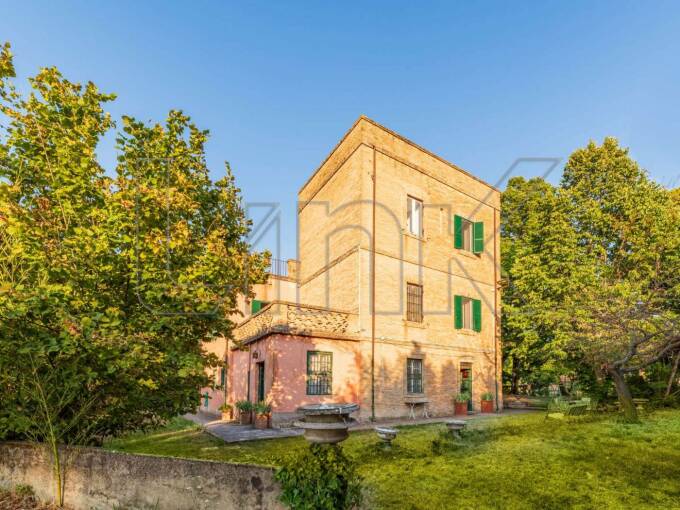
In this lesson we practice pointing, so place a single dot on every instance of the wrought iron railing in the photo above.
(278, 267)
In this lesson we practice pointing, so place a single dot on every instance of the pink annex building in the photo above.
(394, 302)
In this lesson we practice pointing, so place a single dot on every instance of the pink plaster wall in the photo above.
(216, 395)
(285, 359)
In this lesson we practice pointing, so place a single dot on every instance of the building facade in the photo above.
(394, 303)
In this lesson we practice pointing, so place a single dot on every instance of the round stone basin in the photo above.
(386, 434)
(326, 423)
(455, 427)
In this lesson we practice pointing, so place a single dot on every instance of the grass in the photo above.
(515, 462)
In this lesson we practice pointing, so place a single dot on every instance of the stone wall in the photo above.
(99, 479)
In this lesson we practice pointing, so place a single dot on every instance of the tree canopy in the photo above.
(607, 224)
(109, 284)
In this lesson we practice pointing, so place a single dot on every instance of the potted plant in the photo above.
(226, 411)
(262, 412)
(487, 402)
(245, 410)
(461, 403)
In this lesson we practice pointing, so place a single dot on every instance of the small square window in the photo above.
(414, 216)
(414, 375)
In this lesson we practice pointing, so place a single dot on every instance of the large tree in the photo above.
(108, 285)
(605, 225)
(543, 269)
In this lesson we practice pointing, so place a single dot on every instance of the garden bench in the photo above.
(567, 410)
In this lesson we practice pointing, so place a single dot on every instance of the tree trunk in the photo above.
(625, 397)
(674, 372)
(514, 381)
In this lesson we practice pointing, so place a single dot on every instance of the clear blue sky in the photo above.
(278, 83)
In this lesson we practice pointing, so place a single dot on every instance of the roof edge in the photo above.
(403, 139)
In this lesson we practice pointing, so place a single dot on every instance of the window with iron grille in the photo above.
(414, 302)
(319, 373)
(414, 375)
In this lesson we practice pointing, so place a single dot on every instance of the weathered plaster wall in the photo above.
(285, 358)
(98, 479)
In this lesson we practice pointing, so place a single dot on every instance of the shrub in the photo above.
(320, 477)
(225, 408)
(24, 490)
(244, 406)
(487, 396)
(262, 408)
(462, 397)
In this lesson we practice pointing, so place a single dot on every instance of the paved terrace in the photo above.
(231, 432)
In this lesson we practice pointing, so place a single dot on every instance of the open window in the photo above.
(468, 235)
(467, 313)
(414, 216)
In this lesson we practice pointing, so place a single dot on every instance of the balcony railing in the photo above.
(278, 267)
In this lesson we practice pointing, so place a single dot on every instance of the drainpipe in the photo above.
(495, 308)
(227, 372)
(250, 357)
(373, 293)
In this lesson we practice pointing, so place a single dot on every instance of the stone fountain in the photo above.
(326, 423)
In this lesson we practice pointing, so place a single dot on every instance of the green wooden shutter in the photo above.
(478, 235)
(458, 311)
(458, 232)
(476, 315)
(255, 306)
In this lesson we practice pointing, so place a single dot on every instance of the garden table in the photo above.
(412, 402)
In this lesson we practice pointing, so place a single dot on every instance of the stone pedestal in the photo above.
(455, 427)
(326, 423)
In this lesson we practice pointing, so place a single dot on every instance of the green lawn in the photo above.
(514, 462)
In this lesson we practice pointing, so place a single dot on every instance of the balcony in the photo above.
(283, 268)
(293, 319)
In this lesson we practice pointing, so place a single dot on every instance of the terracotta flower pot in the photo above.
(226, 415)
(244, 418)
(487, 406)
(261, 421)
(461, 408)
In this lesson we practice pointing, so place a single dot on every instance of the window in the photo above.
(414, 216)
(414, 302)
(319, 373)
(414, 375)
(467, 313)
(256, 305)
(468, 235)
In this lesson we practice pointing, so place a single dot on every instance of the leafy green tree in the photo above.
(543, 269)
(607, 224)
(108, 284)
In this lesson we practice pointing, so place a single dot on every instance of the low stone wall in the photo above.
(99, 479)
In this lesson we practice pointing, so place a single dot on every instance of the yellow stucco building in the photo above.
(394, 302)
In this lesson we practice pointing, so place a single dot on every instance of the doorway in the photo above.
(260, 381)
(466, 382)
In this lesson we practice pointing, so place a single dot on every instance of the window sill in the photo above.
(412, 324)
(468, 332)
(469, 254)
(413, 236)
